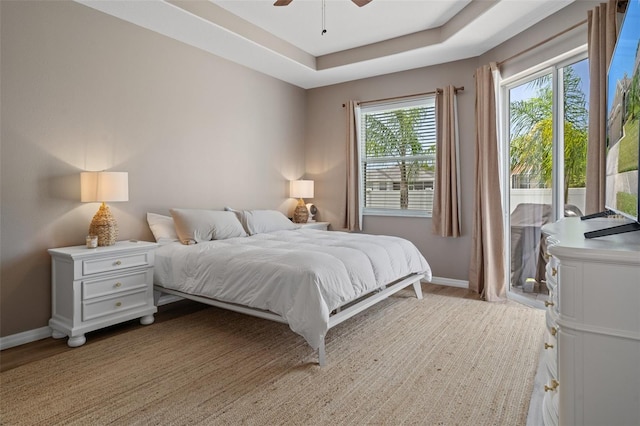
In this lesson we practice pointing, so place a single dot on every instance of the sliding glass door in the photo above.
(546, 112)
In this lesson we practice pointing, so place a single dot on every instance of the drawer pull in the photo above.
(554, 272)
(554, 331)
(548, 303)
(118, 304)
(547, 346)
(554, 385)
(118, 284)
(117, 263)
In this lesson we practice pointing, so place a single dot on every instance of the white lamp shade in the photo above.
(104, 186)
(301, 189)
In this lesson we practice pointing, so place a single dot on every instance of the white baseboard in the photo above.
(450, 282)
(44, 332)
(24, 337)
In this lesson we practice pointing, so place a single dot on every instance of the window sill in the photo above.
(397, 213)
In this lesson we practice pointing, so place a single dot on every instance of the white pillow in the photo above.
(162, 228)
(261, 221)
(195, 226)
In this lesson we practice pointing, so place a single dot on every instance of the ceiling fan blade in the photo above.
(361, 3)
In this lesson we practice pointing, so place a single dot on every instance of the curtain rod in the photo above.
(433, 92)
(547, 40)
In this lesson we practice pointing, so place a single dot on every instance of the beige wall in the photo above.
(83, 90)
(326, 150)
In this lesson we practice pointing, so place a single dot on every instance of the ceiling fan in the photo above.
(360, 3)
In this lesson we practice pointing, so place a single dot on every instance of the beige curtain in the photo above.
(601, 40)
(486, 271)
(354, 212)
(446, 216)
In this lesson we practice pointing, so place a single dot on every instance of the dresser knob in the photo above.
(554, 331)
(118, 284)
(554, 385)
(118, 304)
(548, 303)
(118, 263)
(554, 272)
(548, 346)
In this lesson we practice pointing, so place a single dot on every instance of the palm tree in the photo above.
(394, 134)
(532, 131)
(633, 97)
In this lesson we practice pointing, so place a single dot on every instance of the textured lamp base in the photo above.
(104, 226)
(301, 214)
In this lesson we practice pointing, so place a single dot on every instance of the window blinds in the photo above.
(398, 155)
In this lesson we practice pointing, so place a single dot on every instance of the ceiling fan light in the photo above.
(361, 3)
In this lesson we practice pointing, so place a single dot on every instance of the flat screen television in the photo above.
(623, 127)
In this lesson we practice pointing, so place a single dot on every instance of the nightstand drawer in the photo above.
(115, 263)
(113, 305)
(114, 284)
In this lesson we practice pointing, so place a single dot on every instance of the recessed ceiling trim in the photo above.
(474, 29)
(224, 19)
(418, 40)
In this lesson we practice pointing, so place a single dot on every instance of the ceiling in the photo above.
(382, 37)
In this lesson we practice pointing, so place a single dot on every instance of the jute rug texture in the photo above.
(438, 361)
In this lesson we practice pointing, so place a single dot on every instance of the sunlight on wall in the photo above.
(88, 155)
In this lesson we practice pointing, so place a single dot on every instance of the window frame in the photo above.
(553, 67)
(397, 103)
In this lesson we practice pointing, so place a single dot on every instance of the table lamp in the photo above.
(301, 189)
(104, 187)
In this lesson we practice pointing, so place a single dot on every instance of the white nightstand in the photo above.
(324, 226)
(96, 288)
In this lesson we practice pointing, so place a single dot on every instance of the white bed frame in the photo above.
(340, 315)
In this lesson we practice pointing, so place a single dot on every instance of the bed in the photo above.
(268, 267)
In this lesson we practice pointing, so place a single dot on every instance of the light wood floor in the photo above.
(44, 348)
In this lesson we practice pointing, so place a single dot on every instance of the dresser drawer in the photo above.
(550, 412)
(114, 284)
(551, 319)
(550, 355)
(550, 363)
(114, 263)
(98, 308)
(552, 273)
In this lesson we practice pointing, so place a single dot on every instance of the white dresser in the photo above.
(592, 358)
(95, 288)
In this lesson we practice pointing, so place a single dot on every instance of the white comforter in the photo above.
(301, 275)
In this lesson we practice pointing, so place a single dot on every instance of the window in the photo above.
(397, 155)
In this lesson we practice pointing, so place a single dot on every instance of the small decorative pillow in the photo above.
(162, 228)
(261, 221)
(195, 226)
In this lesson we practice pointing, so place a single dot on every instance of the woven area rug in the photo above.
(438, 361)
